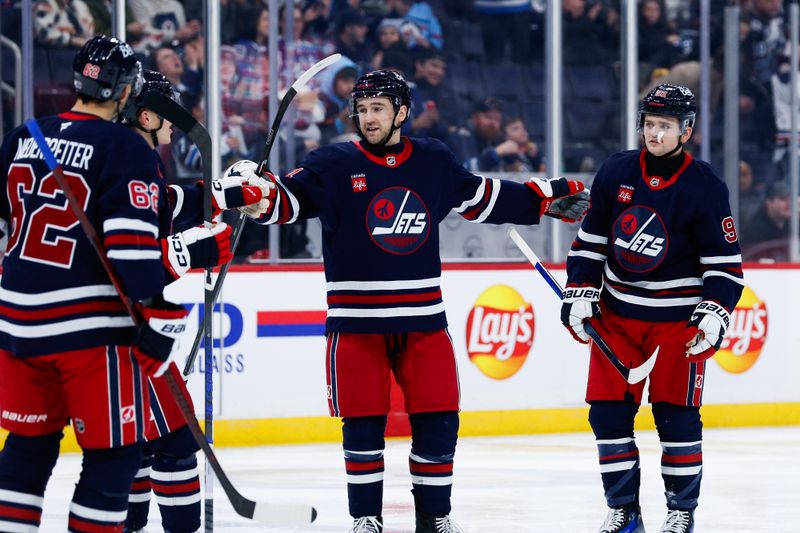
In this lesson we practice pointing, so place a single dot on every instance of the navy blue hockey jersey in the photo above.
(380, 227)
(657, 245)
(54, 294)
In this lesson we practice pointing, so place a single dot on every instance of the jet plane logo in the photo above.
(640, 239)
(398, 221)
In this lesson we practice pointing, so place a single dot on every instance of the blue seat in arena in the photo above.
(585, 121)
(466, 80)
(533, 80)
(592, 82)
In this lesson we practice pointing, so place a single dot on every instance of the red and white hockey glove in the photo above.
(579, 304)
(245, 170)
(705, 330)
(157, 338)
(564, 199)
(197, 247)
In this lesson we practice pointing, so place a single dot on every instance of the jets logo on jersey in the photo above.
(398, 221)
(640, 239)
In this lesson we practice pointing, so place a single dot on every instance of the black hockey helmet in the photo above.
(669, 100)
(382, 83)
(151, 81)
(104, 66)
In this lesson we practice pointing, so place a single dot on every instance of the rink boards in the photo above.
(520, 371)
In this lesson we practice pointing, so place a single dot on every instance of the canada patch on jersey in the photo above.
(398, 221)
(640, 239)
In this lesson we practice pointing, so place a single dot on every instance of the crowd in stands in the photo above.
(477, 69)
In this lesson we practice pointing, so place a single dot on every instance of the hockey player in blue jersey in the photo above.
(380, 201)
(169, 463)
(655, 263)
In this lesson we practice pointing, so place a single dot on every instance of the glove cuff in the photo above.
(571, 294)
(710, 307)
(175, 255)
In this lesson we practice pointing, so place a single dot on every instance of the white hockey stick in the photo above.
(631, 375)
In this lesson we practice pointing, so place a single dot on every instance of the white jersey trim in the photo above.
(173, 501)
(475, 199)
(174, 476)
(16, 527)
(617, 467)
(665, 445)
(591, 237)
(681, 470)
(139, 498)
(655, 285)
(653, 302)
(365, 478)
(717, 259)
(68, 326)
(114, 224)
(386, 312)
(623, 440)
(488, 210)
(59, 295)
(23, 498)
(394, 285)
(731, 277)
(588, 255)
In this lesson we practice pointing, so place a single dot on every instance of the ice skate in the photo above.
(623, 520)
(367, 524)
(678, 521)
(427, 523)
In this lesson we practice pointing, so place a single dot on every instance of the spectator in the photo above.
(480, 146)
(351, 33)
(397, 58)
(782, 104)
(336, 85)
(299, 54)
(658, 40)
(388, 33)
(590, 31)
(184, 73)
(764, 39)
(316, 19)
(505, 23)
(527, 158)
(420, 25)
(62, 23)
(751, 194)
(771, 221)
(432, 100)
(163, 21)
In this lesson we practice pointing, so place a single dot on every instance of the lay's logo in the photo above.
(500, 331)
(746, 334)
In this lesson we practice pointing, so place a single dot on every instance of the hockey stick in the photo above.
(269, 513)
(631, 375)
(239, 225)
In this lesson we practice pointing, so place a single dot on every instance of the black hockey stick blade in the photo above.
(631, 375)
(272, 514)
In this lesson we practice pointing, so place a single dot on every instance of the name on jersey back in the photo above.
(70, 154)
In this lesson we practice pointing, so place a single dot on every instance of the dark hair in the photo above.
(489, 104)
(247, 22)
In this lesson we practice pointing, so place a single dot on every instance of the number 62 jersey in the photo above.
(54, 294)
(657, 245)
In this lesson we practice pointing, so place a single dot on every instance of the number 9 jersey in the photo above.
(54, 293)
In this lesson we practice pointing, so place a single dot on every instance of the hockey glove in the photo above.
(246, 171)
(197, 247)
(564, 199)
(230, 192)
(157, 338)
(579, 304)
(705, 330)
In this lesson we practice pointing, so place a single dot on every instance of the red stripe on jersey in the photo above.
(399, 158)
(430, 468)
(387, 299)
(473, 212)
(130, 239)
(352, 466)
(82, 526)
(15, 514)
(634, 453)
(127, 396)
(190, 486)
(678, 459)
(71, 115)
(62, 311)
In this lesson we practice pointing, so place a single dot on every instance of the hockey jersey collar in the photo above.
(388, 160)
(75, 115)
(658, 182)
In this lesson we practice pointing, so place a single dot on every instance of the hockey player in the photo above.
(169, 463)
(655, 263)
(68, 349)
(380, 201)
